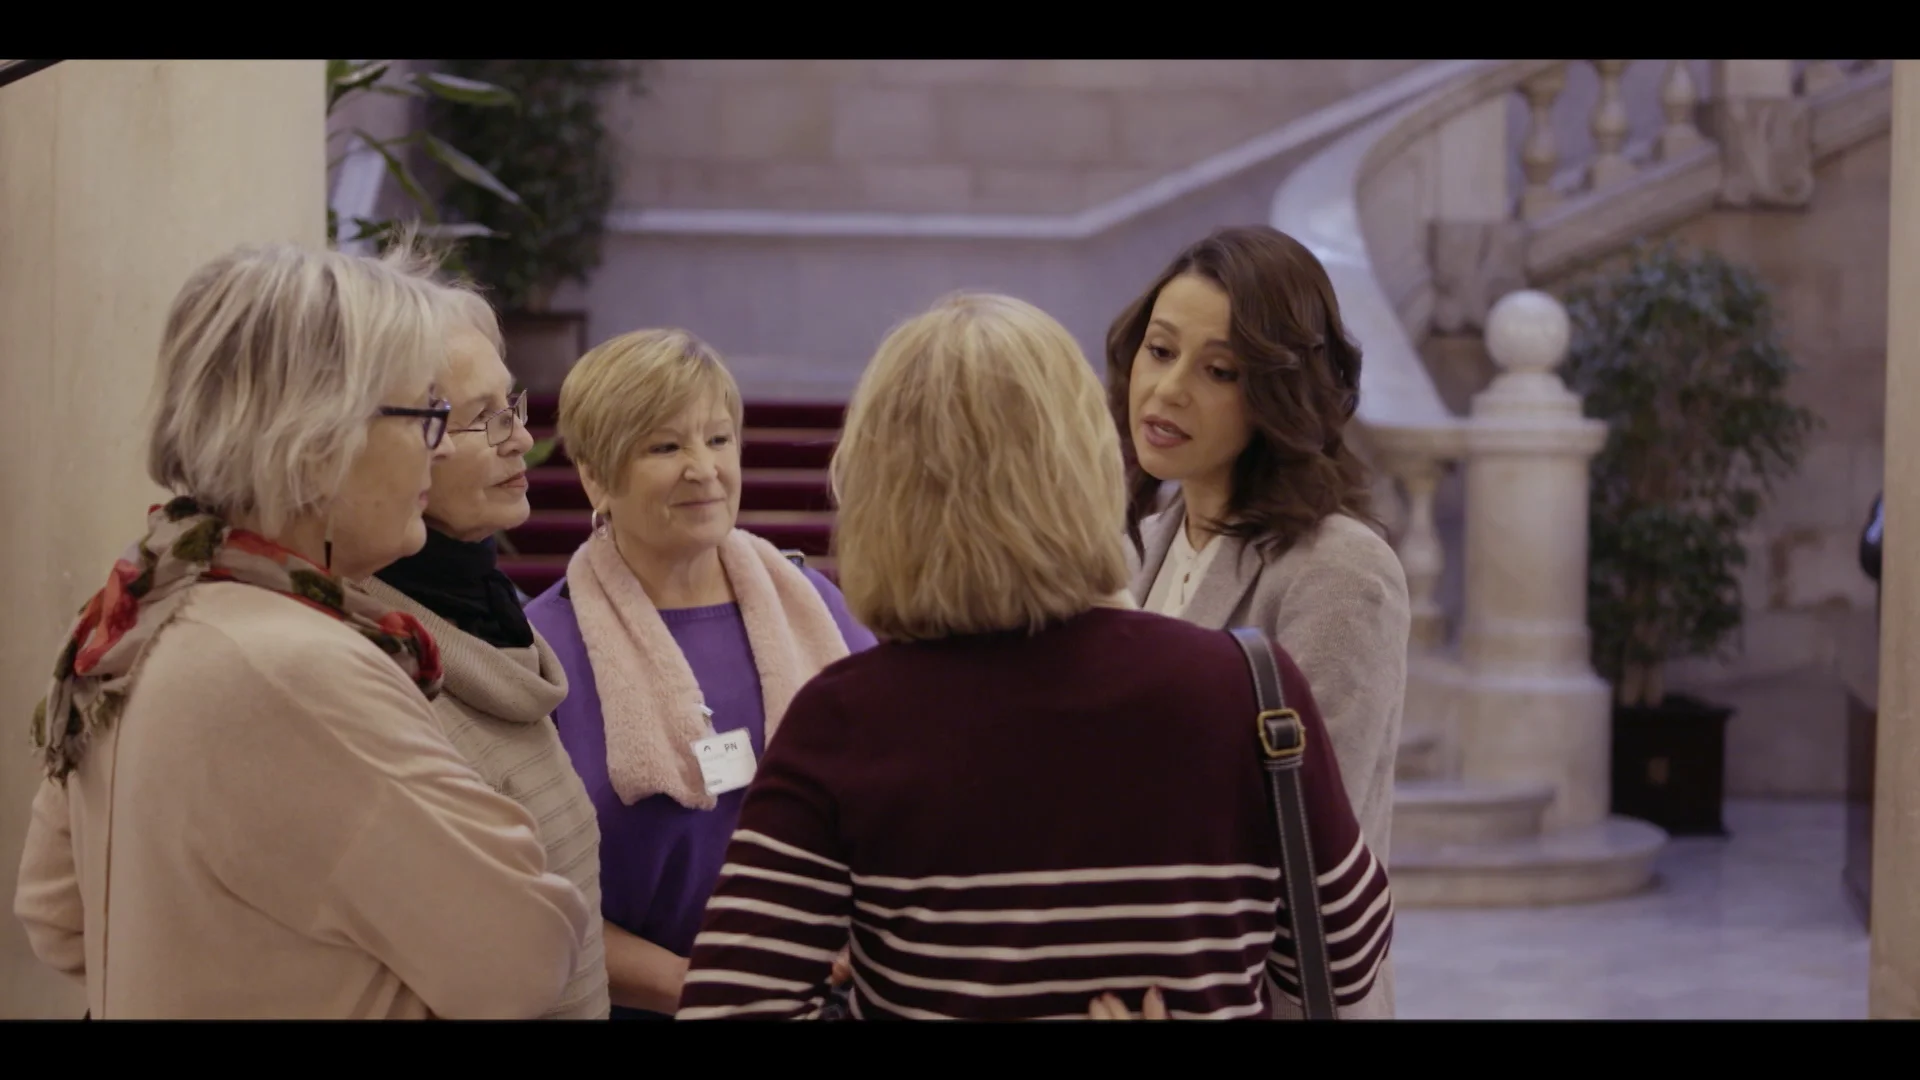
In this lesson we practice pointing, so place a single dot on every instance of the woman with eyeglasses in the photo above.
(249, 809)
(502, 679)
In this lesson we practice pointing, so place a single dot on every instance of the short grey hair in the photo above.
(474, 312)
(274, 359)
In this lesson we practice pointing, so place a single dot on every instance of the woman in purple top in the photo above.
(683, 640)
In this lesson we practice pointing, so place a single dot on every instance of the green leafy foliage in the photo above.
(1680, 354)
(541, 450)
(553, 150)
(347, 78)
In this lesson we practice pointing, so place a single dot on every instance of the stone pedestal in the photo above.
(1531, 708)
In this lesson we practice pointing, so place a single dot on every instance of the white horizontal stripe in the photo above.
(1372, 972)
(1021, 917)
(778, 911)
(862, 991)
(1009, 954)
(1070, 877)
(1359, 889)
(719, 940)
(782, 847)
(725, 977)
(714, 1012)
(1054, 986)
(1333, 875)
(1366, 916)
(829, 887)
(1373, 942)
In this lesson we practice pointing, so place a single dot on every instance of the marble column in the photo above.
(1531, 708)
(119, 178)
(1894, 982)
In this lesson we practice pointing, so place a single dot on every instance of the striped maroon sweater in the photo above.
(1007, 826)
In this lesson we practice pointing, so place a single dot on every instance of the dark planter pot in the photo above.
(542, 346)
(1670, 764)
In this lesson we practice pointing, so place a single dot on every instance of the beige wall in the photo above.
(801, 316)
(1000, 136)
(119, 178)
(1893, 981)
(1807, 599)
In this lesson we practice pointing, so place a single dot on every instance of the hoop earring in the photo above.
(600, 523)
(327, 544)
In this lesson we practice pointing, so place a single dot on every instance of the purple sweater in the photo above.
(659, 861)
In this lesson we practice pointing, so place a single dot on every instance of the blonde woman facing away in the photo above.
(683, 639)
(1031, 800)
(502, 679)
(249, 810)
(1233, 376)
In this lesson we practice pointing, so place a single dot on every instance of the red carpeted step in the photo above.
(557, 487)
(760, 448)
(559, 532)
(828, 415)
(785, 489)
(785, 495)
(552, 532)
(534, 574)
(787, 448)
(543, 411)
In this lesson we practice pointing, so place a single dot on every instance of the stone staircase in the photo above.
(1460, 843)
(784, 495)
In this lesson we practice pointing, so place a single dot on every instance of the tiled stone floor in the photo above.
(1755, 926)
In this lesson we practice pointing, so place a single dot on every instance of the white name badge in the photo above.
(726, 760)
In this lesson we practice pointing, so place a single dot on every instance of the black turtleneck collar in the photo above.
(463, 584)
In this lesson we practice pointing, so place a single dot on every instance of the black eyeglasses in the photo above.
(433, 422)
(499, 425)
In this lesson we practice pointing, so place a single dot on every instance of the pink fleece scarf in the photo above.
(649, 701)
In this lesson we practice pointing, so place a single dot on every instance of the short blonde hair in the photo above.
(627, 387)
(273, 360)
(979, 477)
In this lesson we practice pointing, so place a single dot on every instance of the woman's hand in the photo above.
(842, 969)
(1109, 1007)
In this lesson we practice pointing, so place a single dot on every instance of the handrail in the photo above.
(1318, 204)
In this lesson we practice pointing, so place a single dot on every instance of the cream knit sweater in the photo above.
(495, 710)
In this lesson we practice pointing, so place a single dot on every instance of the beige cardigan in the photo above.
(496, 708)
(1337, 602)
(287, 833)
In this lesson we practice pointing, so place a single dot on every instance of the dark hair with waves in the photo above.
(1301, 375)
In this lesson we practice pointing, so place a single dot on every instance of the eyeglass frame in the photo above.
(435, 415)
(516, 404)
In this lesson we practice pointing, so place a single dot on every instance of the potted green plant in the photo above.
(1680, 354)
(554, 151)
(347, 79)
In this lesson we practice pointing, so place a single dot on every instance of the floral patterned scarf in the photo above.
(185, 544)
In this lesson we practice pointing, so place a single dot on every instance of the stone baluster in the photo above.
(1610, 128)
(1680, 101)
(1540, 157)
(1530, 708)
(1821, 74)
(1765, 133)
(1421, 554)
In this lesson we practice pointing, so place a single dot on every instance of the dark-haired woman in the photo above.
(1233, 376)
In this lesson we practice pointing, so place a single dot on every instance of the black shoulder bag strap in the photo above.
(1283, 743)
